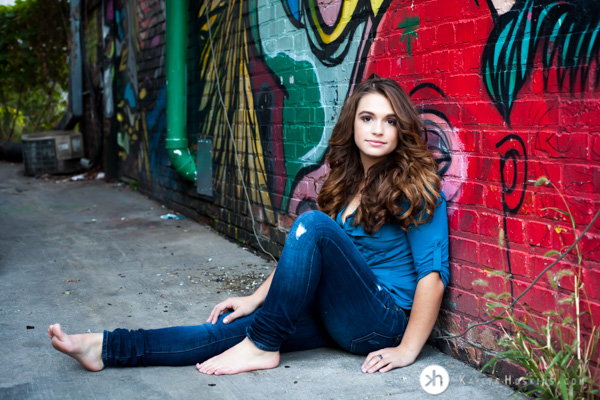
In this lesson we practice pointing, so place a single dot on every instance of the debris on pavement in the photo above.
(171, 216)
(79, 177)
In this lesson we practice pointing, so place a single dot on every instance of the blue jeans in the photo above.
(323, 293)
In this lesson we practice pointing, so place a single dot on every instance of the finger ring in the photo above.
(380, 356)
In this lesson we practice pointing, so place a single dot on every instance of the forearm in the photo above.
(260, 294)
(426, 306)
(241, 306)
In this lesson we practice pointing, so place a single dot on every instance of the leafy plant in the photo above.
(33, 65)
(556, 357)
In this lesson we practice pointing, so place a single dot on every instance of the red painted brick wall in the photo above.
(498, 219)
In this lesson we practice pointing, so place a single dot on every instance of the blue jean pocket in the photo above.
(373, 341)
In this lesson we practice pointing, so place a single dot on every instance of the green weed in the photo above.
(556, 357)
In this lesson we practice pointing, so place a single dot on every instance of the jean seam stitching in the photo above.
(310, 271)
(355, 342)
(182, 351)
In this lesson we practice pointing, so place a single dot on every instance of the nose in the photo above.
(378, 128)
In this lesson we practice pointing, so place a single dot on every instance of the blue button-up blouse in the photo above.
(401, 258)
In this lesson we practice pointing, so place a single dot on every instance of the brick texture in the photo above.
(285, 80)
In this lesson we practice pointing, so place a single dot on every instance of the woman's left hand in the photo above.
(387, 359)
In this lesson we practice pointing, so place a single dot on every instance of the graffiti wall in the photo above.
(133, 88)
(508, 89)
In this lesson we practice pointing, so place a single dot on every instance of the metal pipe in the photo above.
(176, 141)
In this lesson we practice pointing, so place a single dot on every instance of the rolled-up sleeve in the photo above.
(429, 244)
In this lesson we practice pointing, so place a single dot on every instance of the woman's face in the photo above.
(375, 129)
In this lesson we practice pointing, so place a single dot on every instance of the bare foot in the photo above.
(85, 348)
(243, 357)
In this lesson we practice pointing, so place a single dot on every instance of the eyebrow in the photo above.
(372, 113)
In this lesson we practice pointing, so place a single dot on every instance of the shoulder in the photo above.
(431, 215)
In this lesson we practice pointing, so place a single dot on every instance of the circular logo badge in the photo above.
(434, 379)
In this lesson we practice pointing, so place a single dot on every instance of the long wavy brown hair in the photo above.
(403, 187)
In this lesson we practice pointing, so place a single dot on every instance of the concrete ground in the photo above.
(94, 255)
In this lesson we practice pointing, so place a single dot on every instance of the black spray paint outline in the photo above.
(513, 155)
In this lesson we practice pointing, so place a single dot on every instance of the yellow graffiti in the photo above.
(146, 149)
(211, 19)
(375, 6)
(232, 58)
(110, 50)
(348, 9)
(123, 65)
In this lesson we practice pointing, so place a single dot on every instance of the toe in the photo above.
(58, 332)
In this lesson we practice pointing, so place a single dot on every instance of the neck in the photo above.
(366, 165)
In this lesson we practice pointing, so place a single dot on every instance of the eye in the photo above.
(391, 121)
(366, 118)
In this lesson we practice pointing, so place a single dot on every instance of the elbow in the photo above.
(434, 282)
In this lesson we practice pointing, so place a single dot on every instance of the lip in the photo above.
(375, 143)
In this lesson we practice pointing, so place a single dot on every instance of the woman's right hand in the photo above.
(241, 307)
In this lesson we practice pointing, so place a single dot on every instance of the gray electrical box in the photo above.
(204, 167)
